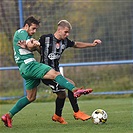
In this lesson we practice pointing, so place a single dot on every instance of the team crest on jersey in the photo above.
(57, 45)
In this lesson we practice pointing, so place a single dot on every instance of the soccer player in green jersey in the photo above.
(31, 70)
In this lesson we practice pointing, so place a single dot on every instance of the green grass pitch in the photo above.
(36, 117)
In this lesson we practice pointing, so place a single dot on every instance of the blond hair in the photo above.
(64, 23)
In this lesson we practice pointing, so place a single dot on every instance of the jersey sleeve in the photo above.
(70, 43)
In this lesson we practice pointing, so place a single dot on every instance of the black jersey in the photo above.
(52, 49)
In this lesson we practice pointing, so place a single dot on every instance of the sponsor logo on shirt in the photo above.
(53, 56)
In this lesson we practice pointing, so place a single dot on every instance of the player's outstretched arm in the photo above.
(30, 44)
(84, 45)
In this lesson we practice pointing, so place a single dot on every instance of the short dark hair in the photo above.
(31, 20)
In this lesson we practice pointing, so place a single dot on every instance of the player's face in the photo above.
(32, 29)
(64, 32)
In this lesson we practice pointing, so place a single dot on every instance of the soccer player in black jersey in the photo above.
(53, 46)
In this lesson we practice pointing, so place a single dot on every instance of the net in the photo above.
(111, 21)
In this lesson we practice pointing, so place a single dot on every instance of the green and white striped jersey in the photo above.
(21, 55)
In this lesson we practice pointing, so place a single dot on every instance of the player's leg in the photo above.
(54, 75)
(60, 100)
(20, 104)
(59, 104)
(73, 100)
(43, 71)
(77, 113)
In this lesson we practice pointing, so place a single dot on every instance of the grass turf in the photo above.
(36, 117)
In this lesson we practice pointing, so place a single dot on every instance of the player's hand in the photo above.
(33, 45)
(34, 42)
(97, 41)
(22, 44)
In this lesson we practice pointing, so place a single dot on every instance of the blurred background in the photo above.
(105, 68)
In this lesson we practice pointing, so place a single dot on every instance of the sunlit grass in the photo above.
(37, 117)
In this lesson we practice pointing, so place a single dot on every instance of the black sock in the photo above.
(73, 101)
(59, 106)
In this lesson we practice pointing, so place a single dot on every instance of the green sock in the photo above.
(64, 83)
(21, 103)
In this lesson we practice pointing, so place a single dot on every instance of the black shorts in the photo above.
(53, 85)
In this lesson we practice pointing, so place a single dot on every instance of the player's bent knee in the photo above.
(55, 74)
(52, 74)
(61, 94)
(31, 99)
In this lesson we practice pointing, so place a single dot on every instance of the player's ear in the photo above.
(26, 26)
(59, 28)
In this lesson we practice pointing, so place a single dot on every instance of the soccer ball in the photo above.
(99, 116)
